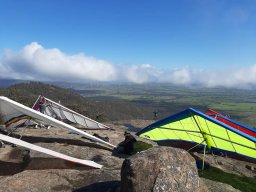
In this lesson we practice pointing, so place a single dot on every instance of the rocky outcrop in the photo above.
(46, 173)
(157, 169)
(160, 169)
(214, 186)
(66, 180)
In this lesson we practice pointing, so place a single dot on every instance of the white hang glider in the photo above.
(63, 113)
(13, 112)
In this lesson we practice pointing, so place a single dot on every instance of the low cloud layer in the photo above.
(34, 62)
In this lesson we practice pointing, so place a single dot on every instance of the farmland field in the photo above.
(166, 99)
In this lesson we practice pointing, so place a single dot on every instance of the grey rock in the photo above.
(214, 186)
(160, 169)
(46, 173)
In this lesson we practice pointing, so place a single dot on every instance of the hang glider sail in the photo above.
(49, 152)
(248, 130)
(16, 121)
(63, 113)
(192, 128)
(10, 109)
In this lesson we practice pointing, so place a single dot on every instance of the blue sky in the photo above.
(142, 36)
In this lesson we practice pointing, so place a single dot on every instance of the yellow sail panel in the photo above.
(183, 129)
(183, 135)
(159, 134)
(223, 144)
(212, 132)
(245, 151)
(220, 137)
(188, 124)
(243, 145)
(241, 140)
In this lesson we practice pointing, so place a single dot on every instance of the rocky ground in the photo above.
(45, 173)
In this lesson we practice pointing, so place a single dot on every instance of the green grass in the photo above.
(234, 106)
(141, 146)
(245, 184)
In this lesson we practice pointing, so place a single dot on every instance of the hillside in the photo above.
(27, 93)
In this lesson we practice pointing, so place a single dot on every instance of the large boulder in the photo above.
(160, 169)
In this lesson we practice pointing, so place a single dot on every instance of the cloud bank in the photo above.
(34, 62)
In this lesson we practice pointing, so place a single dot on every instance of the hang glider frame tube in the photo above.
(48, 151)
(246, 129)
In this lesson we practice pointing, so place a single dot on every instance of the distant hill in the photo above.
(8, 82)
(27, 93)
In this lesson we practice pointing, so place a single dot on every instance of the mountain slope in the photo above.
(27, 93)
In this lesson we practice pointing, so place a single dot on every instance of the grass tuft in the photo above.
(141, 146)
(245, 184)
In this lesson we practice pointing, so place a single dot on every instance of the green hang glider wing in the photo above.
(193, 127)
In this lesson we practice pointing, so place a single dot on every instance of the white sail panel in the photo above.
(59, 111)
(80, 121)
(12, 118)
(69, 116)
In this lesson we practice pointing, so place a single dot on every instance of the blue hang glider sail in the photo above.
(191, 128)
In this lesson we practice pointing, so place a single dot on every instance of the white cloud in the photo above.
(34, 62)
(178, 76)
(140, 73)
